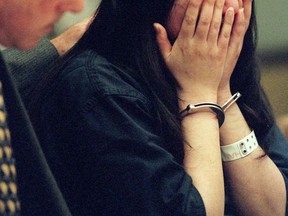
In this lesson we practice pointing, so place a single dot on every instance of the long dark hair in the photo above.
(123, 33)
(246, 79)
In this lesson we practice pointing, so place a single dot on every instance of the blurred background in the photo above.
(272, 48)
(273, 54)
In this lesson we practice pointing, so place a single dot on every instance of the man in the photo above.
(30, 189)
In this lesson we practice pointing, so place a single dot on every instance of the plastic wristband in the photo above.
(239, 149)
(204, 107)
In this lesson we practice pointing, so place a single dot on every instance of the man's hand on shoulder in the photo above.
(68, 38)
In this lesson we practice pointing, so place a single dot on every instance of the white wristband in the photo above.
(240, 148)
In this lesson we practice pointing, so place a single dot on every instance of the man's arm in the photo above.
(26, 67)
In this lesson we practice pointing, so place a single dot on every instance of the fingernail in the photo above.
(230, 11)
(156, 27)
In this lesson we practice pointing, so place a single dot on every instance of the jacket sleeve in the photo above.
(130, 170)
(278, 152)
(26, 66)
(137, 176)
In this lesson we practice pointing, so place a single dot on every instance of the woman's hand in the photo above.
(240, 26)
(198, 56)
(197, 60)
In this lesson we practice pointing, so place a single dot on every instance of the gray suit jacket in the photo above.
(37, 189)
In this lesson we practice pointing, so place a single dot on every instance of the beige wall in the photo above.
(275, 84)
(69, 18)
(272, 24)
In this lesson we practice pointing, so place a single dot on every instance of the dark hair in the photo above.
(123, 33)
(246, 79)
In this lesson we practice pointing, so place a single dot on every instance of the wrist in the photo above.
(235, 125)
(205, 107)
(223, 96)
(186, 98)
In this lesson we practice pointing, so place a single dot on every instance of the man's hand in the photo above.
(67, 39)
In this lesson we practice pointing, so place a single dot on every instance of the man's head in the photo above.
(23, 23)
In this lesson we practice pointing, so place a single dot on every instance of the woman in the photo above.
(109, 122)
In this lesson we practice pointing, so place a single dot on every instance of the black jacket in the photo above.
(98, 129)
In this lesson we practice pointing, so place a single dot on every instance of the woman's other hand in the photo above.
(198, 56)
(240, 26)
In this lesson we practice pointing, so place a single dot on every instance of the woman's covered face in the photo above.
(178, 12)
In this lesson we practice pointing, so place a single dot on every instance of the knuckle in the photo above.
(194, 4)
(205, 21)
(226, 34)
(219, 4)
(216, 25)
(210, 2)
(190, 19)
(213, 54)
(197, 52)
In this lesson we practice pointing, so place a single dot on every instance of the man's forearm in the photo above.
(26, 66)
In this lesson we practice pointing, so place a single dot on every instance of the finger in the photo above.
(236, 39)
(190, 19)
(238, 32)
(240, 3)
(225, 32)
(235, 43)
(176, 16)
(216, 22)
(162, 40)
(205, 19)
(247, 5)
